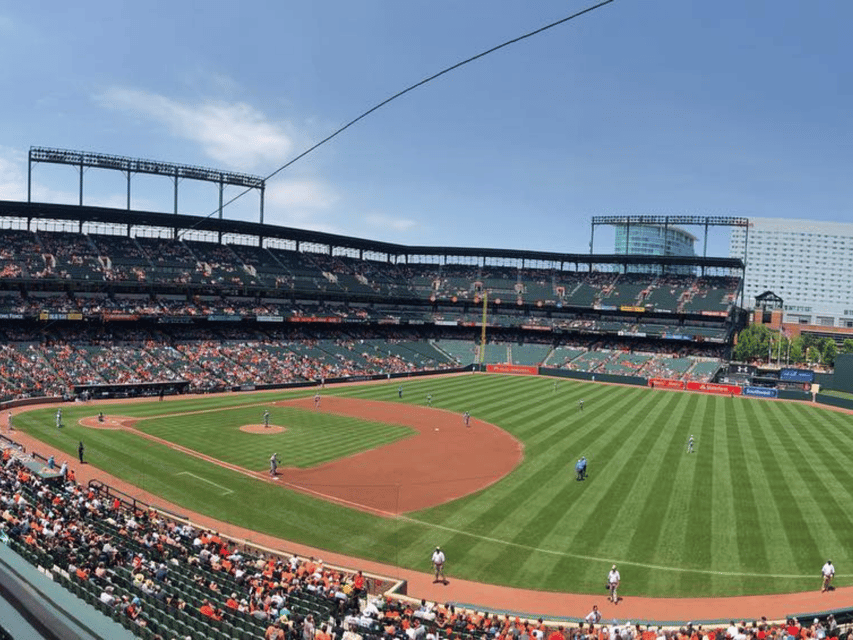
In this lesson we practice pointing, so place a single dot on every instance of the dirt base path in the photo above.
(427, 469)
(496, 598)
(431, 468)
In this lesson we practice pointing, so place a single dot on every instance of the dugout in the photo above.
(131, 390)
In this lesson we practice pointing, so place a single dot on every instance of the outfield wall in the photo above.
(834, 401)
(593, 377)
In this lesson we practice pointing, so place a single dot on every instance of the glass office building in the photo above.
(655, 240)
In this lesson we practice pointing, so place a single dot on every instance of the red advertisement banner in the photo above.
(512, 368)
(666, 383)
(710, 387)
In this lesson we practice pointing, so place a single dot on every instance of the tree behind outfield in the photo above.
(753, 343)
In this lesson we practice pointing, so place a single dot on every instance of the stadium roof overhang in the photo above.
(181, 223)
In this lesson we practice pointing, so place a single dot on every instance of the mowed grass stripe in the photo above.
(515, 508)
(724, 552)
(667, 510)
(538, 467)
(610, 506)
(546, 518)
(766, 520)
(818, 505)
(695, 538)
(613, 496)
(551, 530)
(750, 543)
(787, 489)
(830, 492)
(832, 431)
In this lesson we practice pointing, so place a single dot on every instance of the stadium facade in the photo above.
(807, 263)
(77, 274)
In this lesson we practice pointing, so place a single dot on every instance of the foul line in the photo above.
(189, 473)
(630, 563)
(509, 543)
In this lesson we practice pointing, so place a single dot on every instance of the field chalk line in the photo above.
(439, 527)
(579, 556)
(189, 473)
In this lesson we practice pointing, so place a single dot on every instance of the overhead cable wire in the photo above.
(426, 80)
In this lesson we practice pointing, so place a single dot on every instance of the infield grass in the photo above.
(765, 499)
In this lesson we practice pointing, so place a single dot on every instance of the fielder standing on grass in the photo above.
(613, 579)
(438, 565)
(690, 445)
(828, 571)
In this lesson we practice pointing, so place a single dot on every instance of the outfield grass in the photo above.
(758, 508)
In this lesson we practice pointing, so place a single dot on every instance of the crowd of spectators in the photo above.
(161, 577)
(216, 356)
(227, 267)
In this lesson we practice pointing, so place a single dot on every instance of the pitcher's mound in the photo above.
(259, 428)
(109, 422)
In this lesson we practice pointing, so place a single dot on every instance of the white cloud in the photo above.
(13, 178)
(310, 194)
(233, 134)
(304, 204)
(381, 221)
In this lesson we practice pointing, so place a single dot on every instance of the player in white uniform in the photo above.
(690, 445)
(828, 571)
(438, 565)
(613, 579)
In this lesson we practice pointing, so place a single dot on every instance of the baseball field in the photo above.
(758, 507)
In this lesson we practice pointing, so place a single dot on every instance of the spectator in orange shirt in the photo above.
(206, 609)
(557, 634)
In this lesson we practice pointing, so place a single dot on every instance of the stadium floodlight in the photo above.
(711, 221)
(130, 166)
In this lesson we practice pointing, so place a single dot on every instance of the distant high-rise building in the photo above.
(808, 264)
(655, 240)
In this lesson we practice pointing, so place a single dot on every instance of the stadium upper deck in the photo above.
(260, 261)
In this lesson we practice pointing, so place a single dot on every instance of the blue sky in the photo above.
(660, 106)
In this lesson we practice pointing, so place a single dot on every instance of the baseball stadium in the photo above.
(232, 427)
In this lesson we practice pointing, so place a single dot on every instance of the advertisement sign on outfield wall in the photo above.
(512, 368)
(761, 392)
(796, 375)
(666, 383)
(710, 387)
